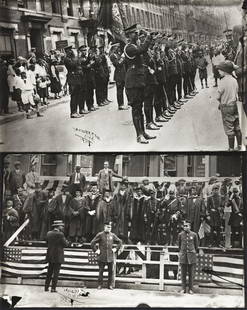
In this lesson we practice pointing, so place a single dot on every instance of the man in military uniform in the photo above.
(74, 79)
(106, 69)
(105, 250)
(84, 63)
(188, 246)
(135, 80)
(55, 254)
(119, 62)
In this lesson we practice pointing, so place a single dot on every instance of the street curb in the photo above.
(22, 115)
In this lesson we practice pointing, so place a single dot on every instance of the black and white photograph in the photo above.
(114, 75)
(123, 230)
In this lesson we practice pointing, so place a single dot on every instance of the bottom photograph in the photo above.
(122, 230)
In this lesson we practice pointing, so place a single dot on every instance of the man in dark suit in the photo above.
(77, 181)
(16, 178)
(188, 246)
(105, 176)
(55, 254)
(119, 62)
(105, 250)
(135, 80)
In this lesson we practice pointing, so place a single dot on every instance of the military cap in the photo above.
(216, 186)
(107, 223)
(125, 180)
(93, 183)
(145, 179)
(181, 181)
(17, 163)
(82, 47)
(67, 48)
(132, 29)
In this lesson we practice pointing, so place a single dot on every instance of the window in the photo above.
(6, 47)
(55, 5)
(48, 165)
(21, 3)
(4, 2)
(170, 165)
(40, 5)
(69, 7)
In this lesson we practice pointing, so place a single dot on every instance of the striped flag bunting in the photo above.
(82, 263)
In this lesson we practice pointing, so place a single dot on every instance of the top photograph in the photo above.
(123, 75)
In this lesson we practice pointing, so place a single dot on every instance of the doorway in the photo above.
(37, 40)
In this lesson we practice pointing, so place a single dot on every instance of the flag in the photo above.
(34, 159)
(229, 268)
(111, 17)
(204, 228)
(30, 262)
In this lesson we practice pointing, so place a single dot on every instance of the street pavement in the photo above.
(35, 296)
(196, 127)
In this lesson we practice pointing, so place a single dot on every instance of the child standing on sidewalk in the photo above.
(227, 96)
(27, 93)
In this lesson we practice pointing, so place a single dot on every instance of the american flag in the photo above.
(30, 262)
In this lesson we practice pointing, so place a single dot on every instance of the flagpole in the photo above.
(12, 238)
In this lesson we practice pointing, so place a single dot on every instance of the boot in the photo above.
(142, 128)
(148, 137)
(39, 115)
(239, 139)
(139, 126)
(231, 142)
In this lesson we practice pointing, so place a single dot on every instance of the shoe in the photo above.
(202, 87)
(167, 115)
(83, 112)
(187, 97)
(39, 115)
(76, 115)
(46, 289)
(92, 109)
(106, 102)
(148, 137)
(171, 111)
(182, 292)
(142, 140)
(100, 104)
(182, 100)
(122, 108)
(157, 125)
(99, 287)
(110, 287)
(109, 101)
(216, 85)
(29, 117)
(191, 292)
(192, 94)
(150, 126)
(160, 120)
(207, 86)
(176, 106)
(53, 290)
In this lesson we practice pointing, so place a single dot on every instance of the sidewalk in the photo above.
(16, 115)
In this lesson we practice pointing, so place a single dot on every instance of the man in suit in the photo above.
(16, 178)
(119, 62)
(188, 246)
(135, 80)
(105, 250)
(55, 254)
(77, 181)
(105, 176)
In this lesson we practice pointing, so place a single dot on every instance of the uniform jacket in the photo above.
(75, 74)
(56, 243)
(188, 246)
(135, 73)
(120, 70)
(149, 64)
(105, 241)
(195, 209)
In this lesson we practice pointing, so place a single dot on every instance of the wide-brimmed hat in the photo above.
(226, 66)
(58, 223)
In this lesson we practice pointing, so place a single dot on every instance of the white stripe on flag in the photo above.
(220, 259)
(27, 272)
(31, 251)
(234, 280)
(21, 265)
(81, 266)
(228, 270)
(81, 273)
(36, 258)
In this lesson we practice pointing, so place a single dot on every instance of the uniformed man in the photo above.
(83, 59)
(105, 251)
(119, 62)
(74, 76)
(135, 80)
(188, 246)
(105, 65)
(55, 254)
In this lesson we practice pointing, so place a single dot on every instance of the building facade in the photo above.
(133, 165)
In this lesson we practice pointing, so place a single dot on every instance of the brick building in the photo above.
(134, 165)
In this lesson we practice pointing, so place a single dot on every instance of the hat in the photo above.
(131, 29)
(107, 223)
(171, 191)
(64, 187)
(58, 223)
(17, 163)
(226, 66)
(145, 179)
(67, 48)
(215, 186)
(235, 190)
(125, 180)
(181, 180)
(115, 45)
(212, 179)
(82, 47)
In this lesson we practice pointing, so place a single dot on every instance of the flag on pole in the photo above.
(34, 159)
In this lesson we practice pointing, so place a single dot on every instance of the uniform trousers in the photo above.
(190, 270)
(149, 94)
(52, 273)
(101, 271)
(76, 99)
(100, 91)
(136, 98)
(89, 96)
(187, 85)
(192, 79)
(120, 93)
(159, 100)
(179, 86)
(171, 89)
